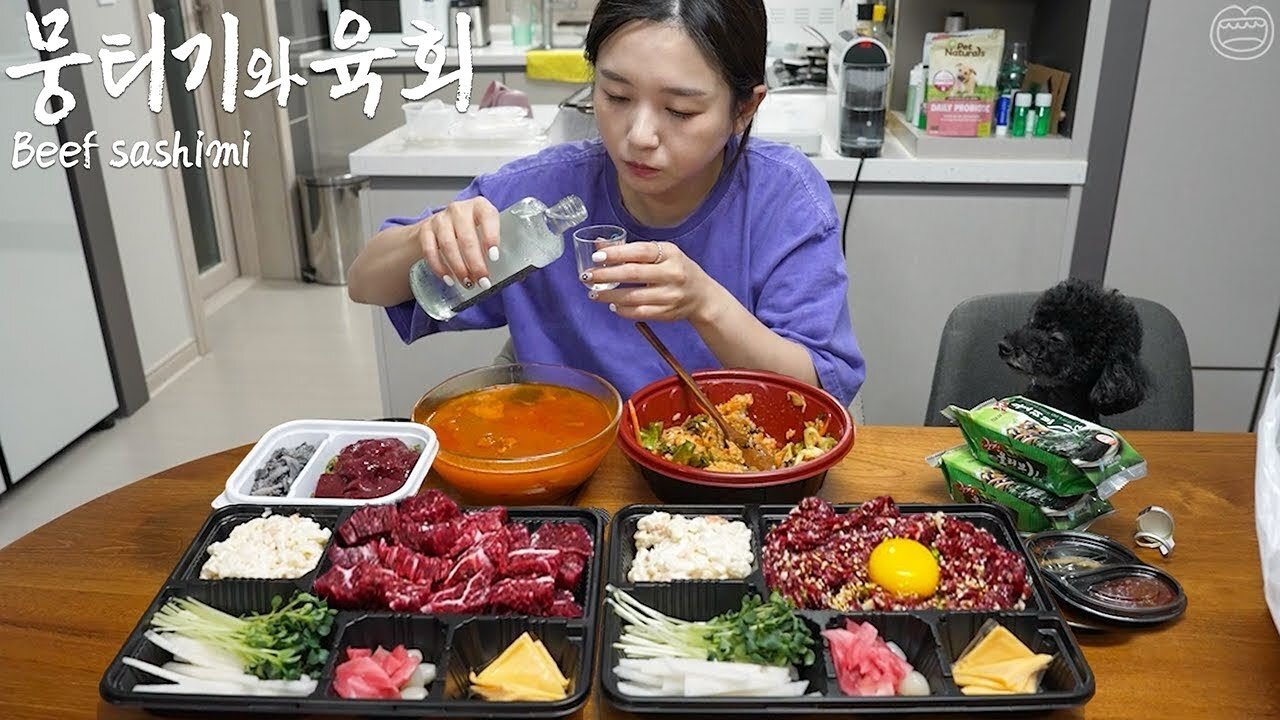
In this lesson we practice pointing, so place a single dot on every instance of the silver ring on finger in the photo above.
(658, 245)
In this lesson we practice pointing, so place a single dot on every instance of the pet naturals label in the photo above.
(964, 49)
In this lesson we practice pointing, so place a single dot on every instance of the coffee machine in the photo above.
(859, 71)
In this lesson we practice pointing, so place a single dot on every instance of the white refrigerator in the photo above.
(55, 378)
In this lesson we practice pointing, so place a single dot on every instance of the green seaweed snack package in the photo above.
(1048, 448)
(1033, 509)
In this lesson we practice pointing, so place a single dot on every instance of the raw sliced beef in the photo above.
(413, 566)
(352, 556)
(518, 537)
(338, 586)
(431, 506)
(566, 537)
(472, 562)
(471, 597)
(530, 596)
(533, 561)
(435, 540)
(368, 522)
(406, 596)
(563, 605)
(570, 572)
(494, 546)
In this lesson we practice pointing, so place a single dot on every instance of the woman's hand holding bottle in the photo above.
(457, 240)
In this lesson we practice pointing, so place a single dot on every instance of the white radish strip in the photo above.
(415, 654)
(637, 691)
(791, 689)
(170, 675)
(893, 647)
(184, 689)
(284, 687)
(203, 672)
(194, 651)
(637, 676)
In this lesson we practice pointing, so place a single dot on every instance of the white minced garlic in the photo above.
(704, 547)
(271, 546)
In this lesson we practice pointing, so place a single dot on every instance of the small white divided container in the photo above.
(330, 437)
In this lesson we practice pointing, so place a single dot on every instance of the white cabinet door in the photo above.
(916, 251)
(1225, 399)
(55, 380)
(1196, 218)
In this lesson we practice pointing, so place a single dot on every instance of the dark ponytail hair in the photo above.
(732, 35)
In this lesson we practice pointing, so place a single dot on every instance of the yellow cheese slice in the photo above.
(983, 690)
(997, 646)
(524, 671)
(1012, 675)
(521, 645)
(548, 664)
(514, 692)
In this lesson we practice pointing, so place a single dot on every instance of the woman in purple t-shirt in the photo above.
(735, 247)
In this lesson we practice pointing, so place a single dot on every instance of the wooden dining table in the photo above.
(71, 591)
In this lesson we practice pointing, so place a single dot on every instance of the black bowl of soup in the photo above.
(520, 434)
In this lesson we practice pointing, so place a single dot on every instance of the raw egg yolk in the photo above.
(904, 567)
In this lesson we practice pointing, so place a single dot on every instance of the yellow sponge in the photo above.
(566, 65)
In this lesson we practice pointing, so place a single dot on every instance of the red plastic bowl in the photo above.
(771, 410)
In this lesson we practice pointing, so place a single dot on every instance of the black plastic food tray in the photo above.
(931, 639)
(456, 644)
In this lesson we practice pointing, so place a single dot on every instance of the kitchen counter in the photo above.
(392, 155)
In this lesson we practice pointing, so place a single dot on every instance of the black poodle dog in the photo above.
(1080, 347)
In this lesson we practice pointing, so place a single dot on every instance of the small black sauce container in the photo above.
(1101, 581)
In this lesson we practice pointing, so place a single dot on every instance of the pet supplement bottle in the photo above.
(1021, 106)
(915, 95)
(1044, 106)
(531, 236)
(1009, 83)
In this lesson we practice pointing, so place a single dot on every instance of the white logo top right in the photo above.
(1242, 33)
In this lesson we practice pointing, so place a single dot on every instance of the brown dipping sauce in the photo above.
(1135, 591)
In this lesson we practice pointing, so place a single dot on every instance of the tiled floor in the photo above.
(279, 351)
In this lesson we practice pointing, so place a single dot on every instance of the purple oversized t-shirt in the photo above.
(768, 232)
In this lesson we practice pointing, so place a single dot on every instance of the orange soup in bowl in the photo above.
(517, 421)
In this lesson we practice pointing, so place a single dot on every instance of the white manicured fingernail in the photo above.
(493, 254)
(485, 284)
(448, 281)
(599, 256)
(613, 308)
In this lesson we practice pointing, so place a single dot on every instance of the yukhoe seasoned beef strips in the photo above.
(818, 559)
(425, 555)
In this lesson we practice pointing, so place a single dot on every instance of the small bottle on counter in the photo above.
(864, 20)
(522, 13)
(922, 118)
(531, 237)
(1044, 108)
(879, 26)
(915, 95)
(1021, 108)
(1012, 72)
